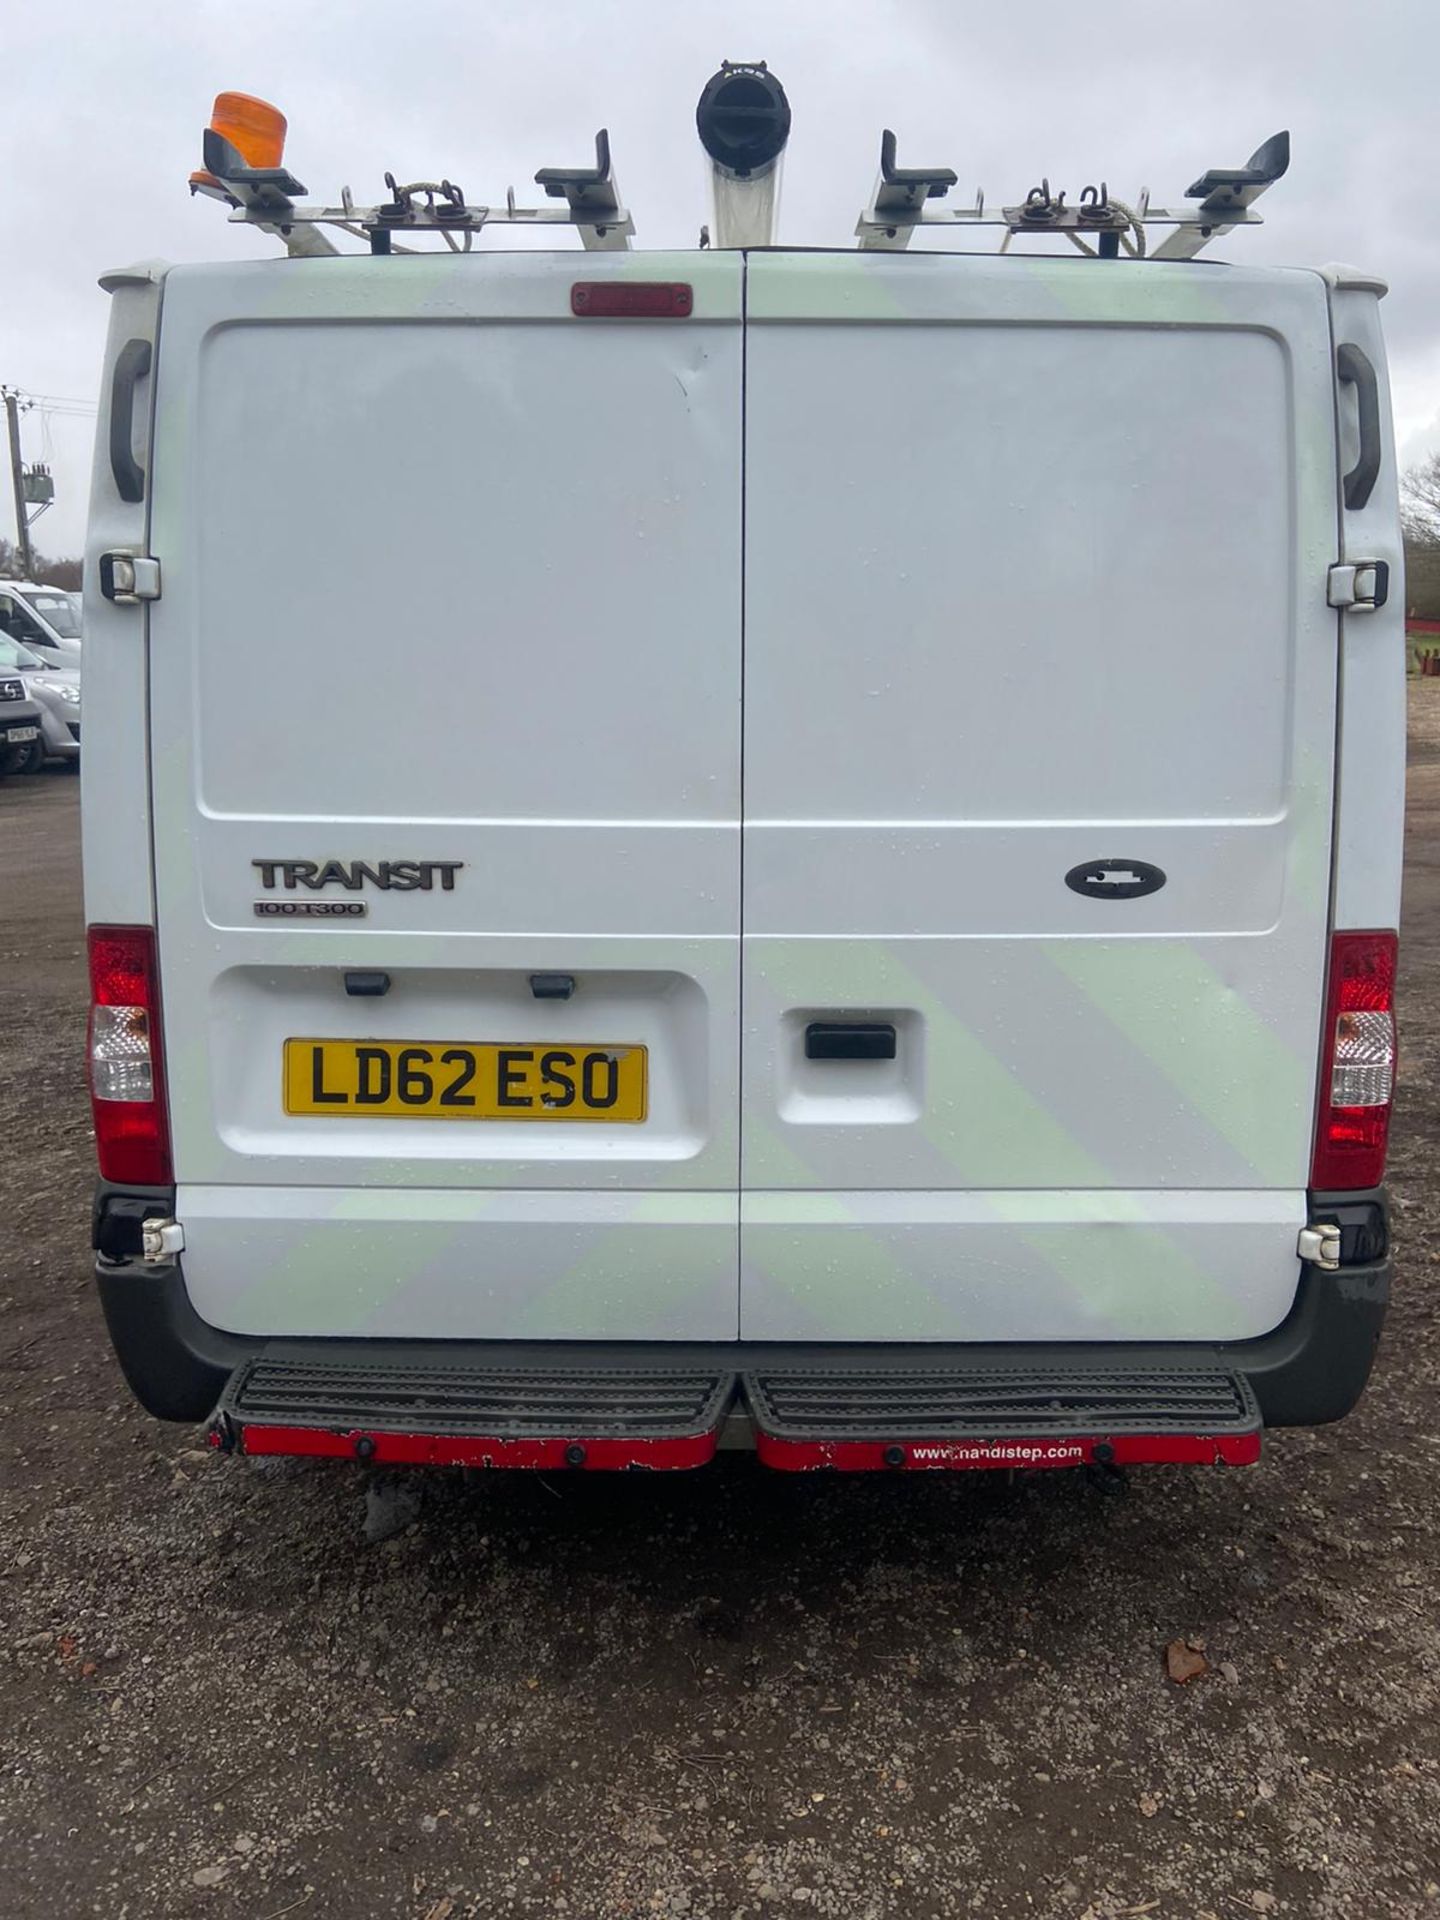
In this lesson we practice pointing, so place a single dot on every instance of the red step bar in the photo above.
(599, 1453)
(963, 1416)
(430, 1413)
(946, 1417)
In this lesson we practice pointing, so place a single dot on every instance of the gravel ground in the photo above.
(233, 1689)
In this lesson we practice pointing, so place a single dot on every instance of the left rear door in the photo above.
(451, 581)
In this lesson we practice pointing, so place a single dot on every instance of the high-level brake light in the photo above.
(127, 1082)
(632, 299)
(1357, 1064)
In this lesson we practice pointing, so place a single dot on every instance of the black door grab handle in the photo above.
(834, 1040)
(1354, 369)
(132, 363)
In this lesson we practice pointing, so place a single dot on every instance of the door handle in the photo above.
(1353, 367)
(836, 1040)
(132, 363)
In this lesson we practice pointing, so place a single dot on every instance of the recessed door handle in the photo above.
(849, 1040)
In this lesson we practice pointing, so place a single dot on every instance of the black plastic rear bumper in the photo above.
(1310, 1370)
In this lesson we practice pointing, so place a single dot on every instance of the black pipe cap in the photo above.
(743, 118)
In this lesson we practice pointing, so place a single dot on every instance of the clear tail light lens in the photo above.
(1357, 1063)
(127, 1086)
(121, 1066)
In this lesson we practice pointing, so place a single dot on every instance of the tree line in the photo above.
(1420, 519)
(54, 573)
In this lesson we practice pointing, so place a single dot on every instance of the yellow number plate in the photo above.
(465, 1080)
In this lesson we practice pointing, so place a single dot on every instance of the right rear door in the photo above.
(1035, 581)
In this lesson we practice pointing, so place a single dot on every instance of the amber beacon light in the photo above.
(254, 128)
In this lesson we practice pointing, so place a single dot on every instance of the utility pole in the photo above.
(17, 477)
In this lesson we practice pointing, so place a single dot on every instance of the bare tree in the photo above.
(61, 573)
(1420, 503)
(55, 573)
(1420, 519)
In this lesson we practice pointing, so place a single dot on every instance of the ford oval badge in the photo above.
(1115, 879)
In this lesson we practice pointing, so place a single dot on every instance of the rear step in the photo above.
(963, 1417)
(395, 1414)
(422, 1413)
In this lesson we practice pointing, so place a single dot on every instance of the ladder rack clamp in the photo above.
(593, 199)
(899, 197)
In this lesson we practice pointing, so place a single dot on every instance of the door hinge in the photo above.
(161, 1241)
(129, 578)
(1320, 1246)
(1359, 585)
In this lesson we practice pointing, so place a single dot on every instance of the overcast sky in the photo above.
(105, 105)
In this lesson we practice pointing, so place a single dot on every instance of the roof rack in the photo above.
(269, 198)
(900, 205)
(743, 120)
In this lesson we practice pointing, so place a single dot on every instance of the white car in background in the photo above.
(19, 724)
(43, 619)
(55, 692)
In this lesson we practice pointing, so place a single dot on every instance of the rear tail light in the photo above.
(1357, 1064)
(127, 1080)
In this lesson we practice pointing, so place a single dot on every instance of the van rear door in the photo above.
(445, 689)
(1039, 750)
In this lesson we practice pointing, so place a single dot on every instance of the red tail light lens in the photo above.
(127, 1081)
(1357, 1064)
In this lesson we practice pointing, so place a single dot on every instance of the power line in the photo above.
(54, 406)
(61, 400)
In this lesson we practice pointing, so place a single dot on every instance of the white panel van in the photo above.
(796, 846)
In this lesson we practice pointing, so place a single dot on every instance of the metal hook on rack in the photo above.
(1040, 209)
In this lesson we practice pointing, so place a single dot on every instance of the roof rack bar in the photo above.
(264, 196)
(899, 206)
(268, 198)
